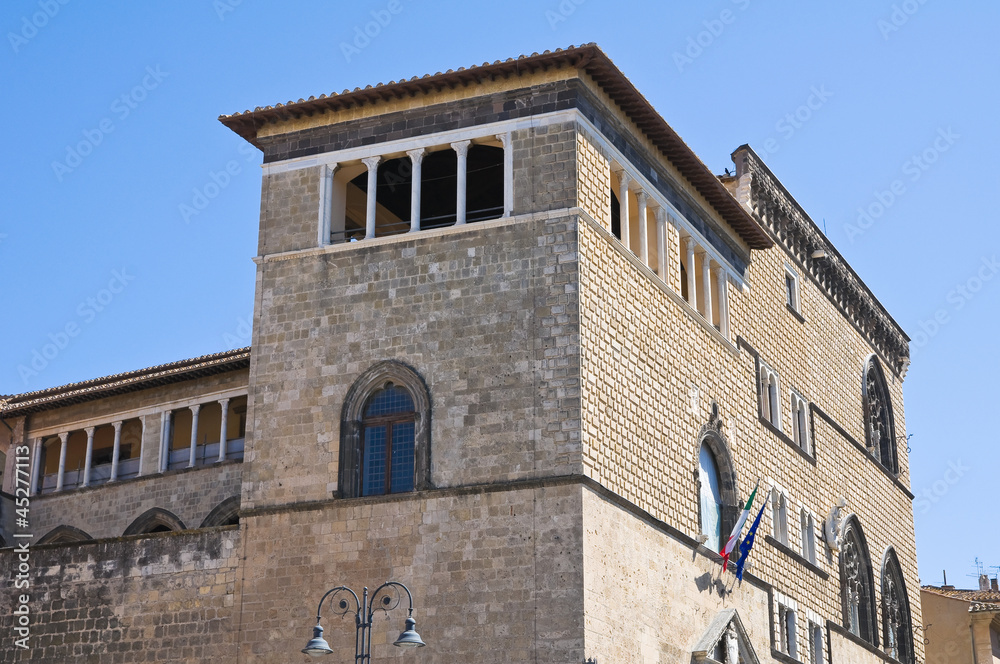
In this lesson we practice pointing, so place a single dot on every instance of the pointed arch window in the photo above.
(880, 433)
(856, 583)
(897, 630)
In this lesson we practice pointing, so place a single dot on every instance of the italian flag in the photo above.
(738, 529)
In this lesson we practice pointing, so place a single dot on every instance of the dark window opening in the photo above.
(684, 281)
(484, 183)
(616, 215)
(393, 181)
(438, 183)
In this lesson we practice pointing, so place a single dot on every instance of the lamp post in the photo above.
(385, 598)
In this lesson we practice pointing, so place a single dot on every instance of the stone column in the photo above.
(63, 437)
(623, 182)
(691, 277)
(36, 470)
(508, 174)
(165, 424)
(142, 444)
(661, 244)
(194, 433)
(372, 164)
(461, 149)
(225, 421)
(326, 172)
(116, 451)
(642, 199)
(706, 279)
(721, 280)
(88, 457)
(416, 163)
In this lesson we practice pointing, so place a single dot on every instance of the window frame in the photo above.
(807, 531)
(779, 500)
(770, 395)
(800, 422)
(793, 293)
(885, 452)
(731, 506)
(892, 571)
(349, 481)
(853, 536)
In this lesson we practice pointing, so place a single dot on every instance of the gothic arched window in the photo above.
(710, 497)
(715, 480)
(384, 433)
(897, 630)
(880, 433)
(856, 583)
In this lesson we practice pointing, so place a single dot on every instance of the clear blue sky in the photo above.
(109, 123)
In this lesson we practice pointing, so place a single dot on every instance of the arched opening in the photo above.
(897, 628)
(155, 520)
(856, 584)
(64, 535)
(226, 513)
(880, 431)
(385, 433)
(710, 495)
(715, 484)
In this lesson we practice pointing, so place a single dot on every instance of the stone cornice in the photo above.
(760, 192)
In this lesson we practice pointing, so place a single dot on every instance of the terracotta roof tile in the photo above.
(129, 381)
(587, 57)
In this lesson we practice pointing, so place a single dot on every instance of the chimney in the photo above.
(993, 583)
(984, 582)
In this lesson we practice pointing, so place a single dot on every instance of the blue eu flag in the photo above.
(747, 544)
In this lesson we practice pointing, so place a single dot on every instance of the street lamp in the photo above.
(385, 598)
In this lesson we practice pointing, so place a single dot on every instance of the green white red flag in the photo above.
(738, 529)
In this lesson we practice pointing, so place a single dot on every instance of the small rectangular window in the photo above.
(808, 537)
(800, 431)
(786, 631)
(815, 644)
(770, 392)
(792, 289)
(779, 516)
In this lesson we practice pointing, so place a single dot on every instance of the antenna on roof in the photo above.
(979, 569)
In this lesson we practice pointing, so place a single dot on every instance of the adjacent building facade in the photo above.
(517, 347)
(962, 626)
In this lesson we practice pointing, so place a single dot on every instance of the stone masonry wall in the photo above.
(650, 371)
(485, 314)
(166, 598)
(496, 576)
(638, 579)
(107, 510)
